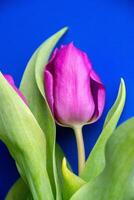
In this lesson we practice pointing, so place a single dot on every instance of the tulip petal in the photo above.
(48, 84)
(11, 82)
(73, 102)
(98, 91)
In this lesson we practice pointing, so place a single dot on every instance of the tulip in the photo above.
(11, 82)
(75, 93)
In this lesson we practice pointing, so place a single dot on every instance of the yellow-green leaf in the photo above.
(33, 89)
(116, 180)
(19, 191)
(96, 160)
(25, 140)
(71, 182)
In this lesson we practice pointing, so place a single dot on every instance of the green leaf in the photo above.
(116, 180)
(59, 158)
(71, 182)
(96, 160)
(33, 89)
(118, 106)
(25, 140)
(19, 191)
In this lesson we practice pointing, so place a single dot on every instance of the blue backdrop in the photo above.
(104, 29)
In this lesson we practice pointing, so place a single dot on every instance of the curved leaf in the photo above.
(38, 103)
(25, 140)
(71, 182)
(19, 191)
(59, 158)
(117, 108)
(96, 160)
(116, 181)
(41, 60)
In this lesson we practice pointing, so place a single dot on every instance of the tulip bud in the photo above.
(11, 82)
(74, 92)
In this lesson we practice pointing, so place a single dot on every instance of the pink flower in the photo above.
(11, 82)
(73, 90)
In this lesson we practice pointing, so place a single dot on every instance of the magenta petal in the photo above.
(73, 90)
(11, 82)
(48, 84)
(9, 79)
(98, 92)
(73, 102)
(71, 108)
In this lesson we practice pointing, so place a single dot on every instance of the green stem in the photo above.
(80, 147)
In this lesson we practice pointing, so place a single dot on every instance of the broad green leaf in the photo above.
(19, 191)
(96, 160)
(116, 180)
(25, 140)
(33, 89)
(43, 55)
(71, 182)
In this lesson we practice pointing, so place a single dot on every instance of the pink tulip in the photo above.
(11, 82)
(74, 91)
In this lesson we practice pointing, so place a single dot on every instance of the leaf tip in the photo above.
(122, 81)
(63, 30)
(123, 86)
(0, 73)
(64, 163)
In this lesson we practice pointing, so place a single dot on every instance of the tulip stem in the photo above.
(80, 147)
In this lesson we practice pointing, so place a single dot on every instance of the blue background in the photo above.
(104, 29)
